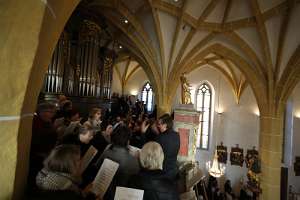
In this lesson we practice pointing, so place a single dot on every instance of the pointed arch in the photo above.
(289, 78)
(256, 81)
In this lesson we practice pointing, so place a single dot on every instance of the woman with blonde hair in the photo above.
(94, 119)
(151, 178)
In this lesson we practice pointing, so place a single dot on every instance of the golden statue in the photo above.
(185, 91)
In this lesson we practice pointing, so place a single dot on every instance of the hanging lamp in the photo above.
(215, 168)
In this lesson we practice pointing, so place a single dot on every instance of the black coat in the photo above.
(55, 195)
(170, 143)
(155, 185)
(59, 195)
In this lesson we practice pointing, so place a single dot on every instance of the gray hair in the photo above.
(152, 156)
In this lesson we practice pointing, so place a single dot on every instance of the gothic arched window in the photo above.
(203, 104)
(147, 96)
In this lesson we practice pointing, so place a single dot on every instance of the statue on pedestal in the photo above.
(185, 90)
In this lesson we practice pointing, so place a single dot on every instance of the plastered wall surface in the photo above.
(238, 123)
(295, 139)
(29, 32)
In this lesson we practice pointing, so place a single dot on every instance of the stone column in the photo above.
(270, 148)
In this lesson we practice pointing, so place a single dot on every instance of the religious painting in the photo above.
(251, 154)
(297, 166)
(237, 156)
(222, 153)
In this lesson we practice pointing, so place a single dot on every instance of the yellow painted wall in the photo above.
(29, 32)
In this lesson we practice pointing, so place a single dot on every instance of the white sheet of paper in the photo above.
(134, 151)
(123, 193)
(104, 177)
(88, 157)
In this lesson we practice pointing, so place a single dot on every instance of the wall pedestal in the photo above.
(186, 122)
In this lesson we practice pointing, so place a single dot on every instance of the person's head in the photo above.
(95, 114)
(137, 126)
(165, 122)
(120, 135)
(72, 115)
(152, 156)
(84, 133)
(228, 182)
(67, 105)
(61, 98)
(64, 158)
(46, 111)
(118, 118)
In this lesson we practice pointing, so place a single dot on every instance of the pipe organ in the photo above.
(81, 67)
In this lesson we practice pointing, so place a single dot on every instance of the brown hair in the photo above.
(167, 119)
(93, 112)
(63, 158)
(75, 128)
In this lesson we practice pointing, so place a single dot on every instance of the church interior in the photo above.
(227, 71)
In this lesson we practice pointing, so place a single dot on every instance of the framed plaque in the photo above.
(251, 154)
(297, 166)
(222, 153)
(237, 156)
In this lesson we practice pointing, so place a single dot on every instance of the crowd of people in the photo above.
(60, 139)
(214, 191)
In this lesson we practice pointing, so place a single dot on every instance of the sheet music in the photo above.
(124, 193)
(134, 151)
(88, 157)
(104, 177)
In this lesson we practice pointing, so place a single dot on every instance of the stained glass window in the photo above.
(147, 96)
(203, 104)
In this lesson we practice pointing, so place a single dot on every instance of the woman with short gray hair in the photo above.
(152, 156)
(151, 178)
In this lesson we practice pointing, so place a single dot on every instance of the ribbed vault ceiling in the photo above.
(246, 40)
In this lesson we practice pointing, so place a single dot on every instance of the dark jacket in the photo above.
(43, 141)
(170, 143)
(43, 137)
(55, 195)
(155, 185)
(128, 166)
